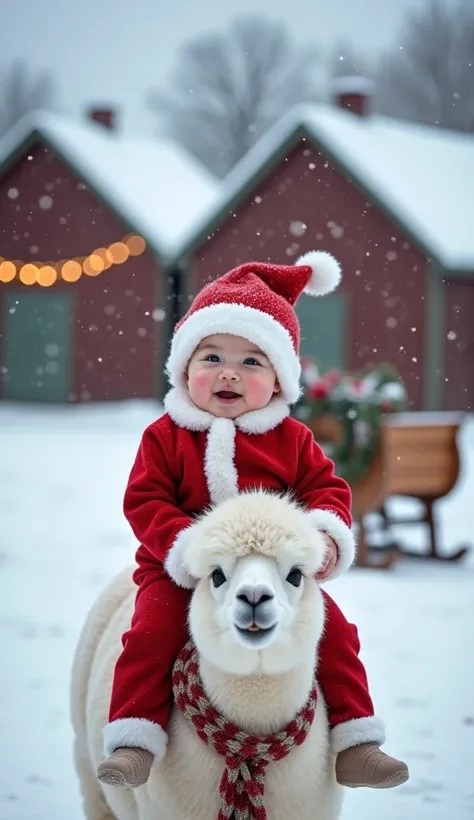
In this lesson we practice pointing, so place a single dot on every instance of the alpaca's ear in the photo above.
(176, 564)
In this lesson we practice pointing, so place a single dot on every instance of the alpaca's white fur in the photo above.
(256, 539)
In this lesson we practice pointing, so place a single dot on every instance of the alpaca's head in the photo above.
(256, 607)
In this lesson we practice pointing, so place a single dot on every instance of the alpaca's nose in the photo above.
(254, 594)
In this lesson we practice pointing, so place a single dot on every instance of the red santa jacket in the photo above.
(189, 459)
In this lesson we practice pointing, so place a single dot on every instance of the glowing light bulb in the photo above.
(7, 271)
(29, 274)
(102, 254)
(90, 269)
(136, 245)
(71, 271)
(118, 252)
(47, 276)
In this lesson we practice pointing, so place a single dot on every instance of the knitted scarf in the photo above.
(246, 757)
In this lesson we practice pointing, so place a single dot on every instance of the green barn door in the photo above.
(324, 327)
(37, 345)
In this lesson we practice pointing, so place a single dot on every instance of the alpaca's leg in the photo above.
(93, 799)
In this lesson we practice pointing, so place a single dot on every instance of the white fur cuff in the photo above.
(357, 731)
(137, 732)
(342, 534)
(174, 560)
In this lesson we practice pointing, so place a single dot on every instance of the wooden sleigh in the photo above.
(418, 458)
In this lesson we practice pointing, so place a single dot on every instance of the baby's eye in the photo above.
(251, 361)
(213, 357)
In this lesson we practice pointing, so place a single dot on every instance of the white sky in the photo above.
(111, 51)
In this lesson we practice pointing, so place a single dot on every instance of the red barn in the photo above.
(89, 223)
(392, 202)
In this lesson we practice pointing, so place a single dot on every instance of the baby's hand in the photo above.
(330, 559)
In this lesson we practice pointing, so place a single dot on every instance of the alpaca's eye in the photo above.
(294, 577)
(218, 578)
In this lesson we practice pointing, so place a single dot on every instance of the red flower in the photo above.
(386, 407)
(333, 377)
(319, 390)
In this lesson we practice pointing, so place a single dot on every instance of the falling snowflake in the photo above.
(297, 228)
(158, 315)
(391, 322)
(337, 231)
(13, 193)
(45, 202)
(452, 335)
(52, 350)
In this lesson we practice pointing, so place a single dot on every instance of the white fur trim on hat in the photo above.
(240, 320)
(326, 272)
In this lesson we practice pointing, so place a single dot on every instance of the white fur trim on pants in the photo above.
(136, 732)
(328, 521)
(357, 731)
(174, 560)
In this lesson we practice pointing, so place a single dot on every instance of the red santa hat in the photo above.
(256, 301)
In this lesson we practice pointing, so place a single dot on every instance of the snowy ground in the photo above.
(62, 536)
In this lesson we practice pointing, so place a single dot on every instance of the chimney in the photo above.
(353, 93)
(104, 116)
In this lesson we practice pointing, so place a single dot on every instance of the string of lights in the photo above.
(71, 270)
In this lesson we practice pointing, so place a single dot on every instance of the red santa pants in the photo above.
(142, 680)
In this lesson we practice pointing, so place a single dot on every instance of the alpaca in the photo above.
(256, 617)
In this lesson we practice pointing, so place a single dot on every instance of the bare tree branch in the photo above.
(229, 88)
(21, 93)
(431, 77)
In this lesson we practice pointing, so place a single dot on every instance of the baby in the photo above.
(234, 368)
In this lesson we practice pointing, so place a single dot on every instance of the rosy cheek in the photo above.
(257, 384)
(254, 381)
(200, 380)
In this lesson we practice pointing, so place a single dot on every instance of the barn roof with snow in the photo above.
(153, 184)
(421, 177)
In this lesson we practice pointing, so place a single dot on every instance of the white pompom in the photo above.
(326, 272)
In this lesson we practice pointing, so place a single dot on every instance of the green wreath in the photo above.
(357, 404)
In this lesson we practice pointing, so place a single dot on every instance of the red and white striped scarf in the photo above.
(246, 757)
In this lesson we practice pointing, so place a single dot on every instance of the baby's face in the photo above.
(228, 375)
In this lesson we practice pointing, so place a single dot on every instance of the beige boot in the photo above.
(126, 767)
(367, 765)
